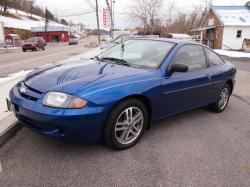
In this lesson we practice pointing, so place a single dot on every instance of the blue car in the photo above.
(116, 95)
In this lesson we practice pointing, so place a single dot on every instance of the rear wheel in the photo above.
(125, 124)
(222, 103)
(24, 50)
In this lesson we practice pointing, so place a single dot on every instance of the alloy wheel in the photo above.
(224, 96)
(129, 125)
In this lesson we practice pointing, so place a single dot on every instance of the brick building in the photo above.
(226, 27)
(53, 34)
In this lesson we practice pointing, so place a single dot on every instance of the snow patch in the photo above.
(14, 76)
(235, 54)
(24, 21)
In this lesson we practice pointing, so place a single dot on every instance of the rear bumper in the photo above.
(80, 124)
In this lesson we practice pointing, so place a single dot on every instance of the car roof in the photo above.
(177, 41)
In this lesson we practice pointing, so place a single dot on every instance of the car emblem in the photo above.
(23, 89)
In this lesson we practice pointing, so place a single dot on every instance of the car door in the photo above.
(215, 64)
(39, 43)
(187, 90)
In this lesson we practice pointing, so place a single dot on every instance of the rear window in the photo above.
(212, 58)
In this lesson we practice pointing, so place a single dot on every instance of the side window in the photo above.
(212, 58)
(191, 55)
(239, 32)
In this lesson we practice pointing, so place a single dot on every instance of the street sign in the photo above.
(106, 17)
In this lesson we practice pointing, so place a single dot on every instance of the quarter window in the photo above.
(239, 32)
(212, 58)
(192, 56)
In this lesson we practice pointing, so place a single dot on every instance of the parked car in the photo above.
(73, 41)
(116, 95)
(179, 36)
(34, 44)
(116, 41)
(123, 38)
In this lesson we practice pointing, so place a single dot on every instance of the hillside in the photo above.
(22, 20)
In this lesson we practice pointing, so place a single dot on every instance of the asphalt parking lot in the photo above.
(196, 148)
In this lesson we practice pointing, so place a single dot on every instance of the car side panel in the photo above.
(222, 74)
(108, 94)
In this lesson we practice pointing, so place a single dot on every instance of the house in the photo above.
(13, 40)
(226, 27)
(20, 22)
(53, 34)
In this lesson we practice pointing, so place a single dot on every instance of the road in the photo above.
(241, 63)
(17, 61)
(196, 148)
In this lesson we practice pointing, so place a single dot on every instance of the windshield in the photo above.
(32, 40)
(139, 53)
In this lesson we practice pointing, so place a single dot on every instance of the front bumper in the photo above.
(29, 47)
(74, 124)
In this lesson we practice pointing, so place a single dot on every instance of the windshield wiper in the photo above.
(97, 58)
(116, 60)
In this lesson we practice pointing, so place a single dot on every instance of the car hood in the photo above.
(75, 76)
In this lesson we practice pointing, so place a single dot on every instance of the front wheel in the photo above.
(125, 124)
(222, 103)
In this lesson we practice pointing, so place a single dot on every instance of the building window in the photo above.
(239, 34)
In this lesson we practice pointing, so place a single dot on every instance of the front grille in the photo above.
(28, 97)
(28, 92)
(32, 89)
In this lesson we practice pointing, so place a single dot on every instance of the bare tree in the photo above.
(147, 12)
(169, 14)
(31, 5)
(4, 5)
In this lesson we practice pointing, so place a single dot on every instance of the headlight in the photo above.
(62, 100)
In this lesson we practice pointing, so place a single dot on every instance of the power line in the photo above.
(70, 13)
(90, 4)
(78, 14)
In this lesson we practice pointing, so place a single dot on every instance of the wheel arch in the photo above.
(230, 83)
(144, 99)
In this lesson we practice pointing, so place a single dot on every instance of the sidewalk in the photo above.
(242, 88)
(9, 49)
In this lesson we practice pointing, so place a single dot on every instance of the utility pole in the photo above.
(113, 17)
(45, 24)
(98, 24)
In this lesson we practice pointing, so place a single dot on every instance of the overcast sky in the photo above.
(63, 8)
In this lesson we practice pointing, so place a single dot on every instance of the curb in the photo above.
(13, 127)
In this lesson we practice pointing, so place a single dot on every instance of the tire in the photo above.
(24, 50)
(43, 48)
(222, 102)
(117, 133)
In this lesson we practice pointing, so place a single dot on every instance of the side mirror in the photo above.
(178, 68)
